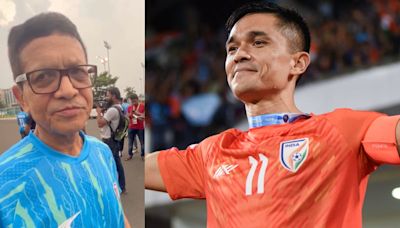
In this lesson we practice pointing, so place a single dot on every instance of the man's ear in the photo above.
(19, 95)
(301, 60)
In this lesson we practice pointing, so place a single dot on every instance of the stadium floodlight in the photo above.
(103, 60)
(396, 193)
(108, 47)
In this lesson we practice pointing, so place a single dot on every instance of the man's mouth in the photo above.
(243, 70)
(69, 111)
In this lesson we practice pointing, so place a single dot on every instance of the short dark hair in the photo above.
(115, 92)
(288, 20)
(41, 25)
(134, 96)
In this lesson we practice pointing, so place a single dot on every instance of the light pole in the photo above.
(103, 60)
(108, 47)
(144, 73)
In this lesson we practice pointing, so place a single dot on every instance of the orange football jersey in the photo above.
(309, 173)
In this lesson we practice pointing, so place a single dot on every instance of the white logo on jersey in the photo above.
(68, 222)
(223, 170)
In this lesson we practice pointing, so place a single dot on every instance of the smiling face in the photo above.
(65, 111)
(259, 61)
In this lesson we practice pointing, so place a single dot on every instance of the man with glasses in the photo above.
(56, 176)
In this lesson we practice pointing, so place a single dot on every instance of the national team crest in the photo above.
(293, 153)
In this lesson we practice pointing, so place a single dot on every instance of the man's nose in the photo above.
(66, 88)
(242, 54)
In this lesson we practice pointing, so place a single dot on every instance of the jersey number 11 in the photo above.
(249, 180)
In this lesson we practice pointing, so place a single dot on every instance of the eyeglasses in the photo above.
(45, 81)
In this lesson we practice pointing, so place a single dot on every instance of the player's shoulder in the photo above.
(96, 143)
(97, 147)
(224, 137)
(350, 114)
(17, 151)
(18, 160)
(231, 132)
(341, 111)
(111, 111)
(349, 120)
(228, 132)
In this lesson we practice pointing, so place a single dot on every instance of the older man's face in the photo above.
(66, 110)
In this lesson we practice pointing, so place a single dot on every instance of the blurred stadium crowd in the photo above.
(186, 90)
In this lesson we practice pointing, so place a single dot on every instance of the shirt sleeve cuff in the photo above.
(380, 140)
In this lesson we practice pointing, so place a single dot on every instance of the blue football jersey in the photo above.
(41, 187)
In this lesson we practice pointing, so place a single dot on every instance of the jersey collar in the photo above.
(276, 118)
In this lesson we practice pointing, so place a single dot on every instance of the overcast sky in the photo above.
(119, 22)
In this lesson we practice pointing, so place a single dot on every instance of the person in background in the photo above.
(108, 123)
(25, 123)
(136, 125)
(125, 106)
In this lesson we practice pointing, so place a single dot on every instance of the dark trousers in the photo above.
(121, 144)
(131, 138)
(114, 147)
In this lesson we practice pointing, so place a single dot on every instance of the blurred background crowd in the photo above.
(186, 91)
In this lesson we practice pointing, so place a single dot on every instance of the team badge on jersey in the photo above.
(293, 153)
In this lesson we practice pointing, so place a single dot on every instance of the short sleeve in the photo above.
(111, 114)
(112, 117)
(183, 172)
(353, 126)
(141, 108)
(380, 140)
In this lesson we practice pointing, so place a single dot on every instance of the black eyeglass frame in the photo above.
(63, 72)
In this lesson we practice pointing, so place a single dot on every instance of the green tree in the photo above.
(101, 83)
(129, 91)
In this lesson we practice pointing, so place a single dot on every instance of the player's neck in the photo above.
(270, 107)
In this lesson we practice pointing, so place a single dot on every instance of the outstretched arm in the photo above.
(152, 175)
(382, 139)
